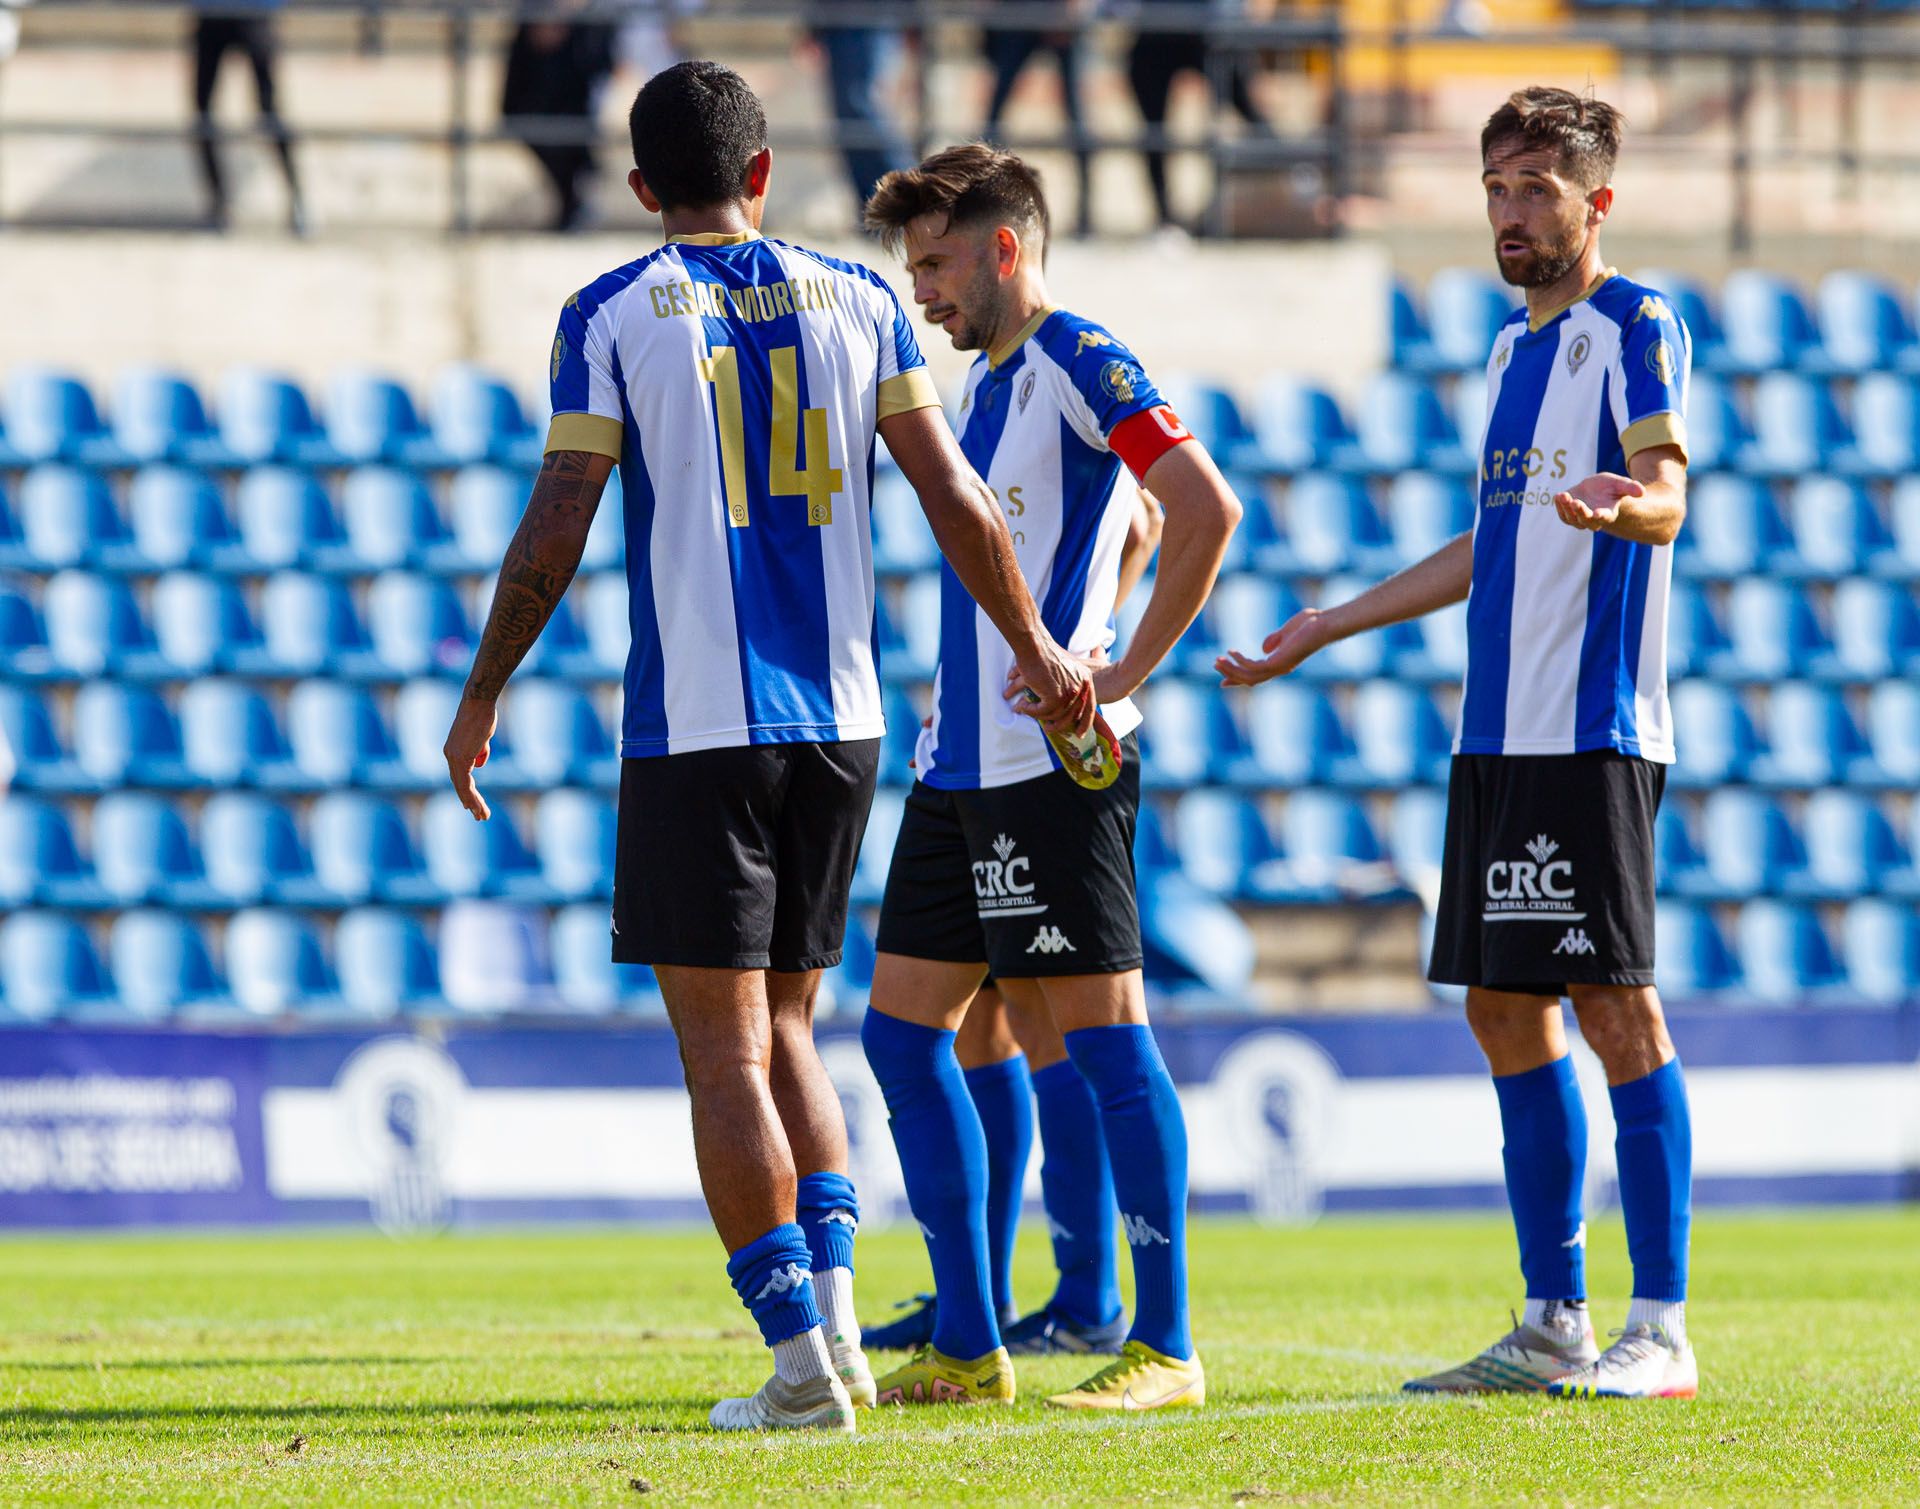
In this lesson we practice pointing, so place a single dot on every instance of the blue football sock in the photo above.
(1147, 1149)
(774, 1279)
(1653, 1146)
(829, 1213)
(1077, 1185)
(943, 1158)
(1545, 1123)
(1003, 1095)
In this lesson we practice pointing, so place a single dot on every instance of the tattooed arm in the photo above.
(540, 562)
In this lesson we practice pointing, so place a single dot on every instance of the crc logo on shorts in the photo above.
(1537, 887)
(1003, 886)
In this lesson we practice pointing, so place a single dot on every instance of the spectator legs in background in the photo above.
(1007, 52)
(568, 167)
(212, 37)
(858, 58)
(1153, 63)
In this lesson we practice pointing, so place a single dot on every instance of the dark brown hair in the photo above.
(973, 184)
(1583, 130)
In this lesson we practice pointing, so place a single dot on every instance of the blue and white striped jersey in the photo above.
(1035, 420)
(738, 382)
(1567, 630)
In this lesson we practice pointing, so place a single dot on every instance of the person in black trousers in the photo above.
(554, 71)
(252, 35)
(1008, 51)
(1155, 61)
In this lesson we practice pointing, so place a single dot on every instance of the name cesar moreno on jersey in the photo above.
(754, 303)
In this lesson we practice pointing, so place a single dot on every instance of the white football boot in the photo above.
(1644, 1363)
(1524, 1361)
(851, 1367)
(818, 1404)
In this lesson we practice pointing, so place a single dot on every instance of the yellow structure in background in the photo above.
(1429, 62)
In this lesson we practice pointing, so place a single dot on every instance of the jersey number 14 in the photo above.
(817, 481)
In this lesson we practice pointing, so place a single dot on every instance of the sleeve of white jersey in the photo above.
(587, 411)
(905, 383)
(1649, 390)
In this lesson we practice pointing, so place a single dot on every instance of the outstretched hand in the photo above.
(1286, 648)
(1595, 503)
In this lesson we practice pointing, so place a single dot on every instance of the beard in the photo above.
(1542, 264)
(980, 308)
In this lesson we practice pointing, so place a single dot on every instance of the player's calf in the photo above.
(774, 1279)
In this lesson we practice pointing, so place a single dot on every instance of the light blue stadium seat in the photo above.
(1153, 847)
(468, 858)
(1712, 726)
(94, 627)
(1426, 511)
(573, 840)
(312, 628)
(902, 737)
(1694, 306)
(253, 853)
(363, 852)
(494, 957)
(1814, 740)
(484, 505)
(1796, 427)
(1399, 739)
(606, 547)
(1786, 958)
(891, 643)
(1717, 430)
(1836, 529)
(1245, 609)
(339, 738)
(389, 519)
(558, 736)
(51, 416)
(1881, 948)
(1876, 630)
(1695, 636)
(1209, 411)
(230, 736)
(1733, 528)
(417, 625)
(1748, 845)
(48, 967)
(1440, 652)
(1401, 425)
(1332, 526)
(1294, 736)
(40, 864)
(1412, 344)
(1695, 962)
(1766, 325)
(143, 854)
(1771, 630)
(1863, 323)
(284, 518)
(477, 417)
(24, 653)
(265, 416)
(1886, 424)
(1893, 731)
(202, 624)
(275, 966)
(605, 623)
(68, 518)
(1258, 542)
(385, 964)
(1465, 310)
(1679, 866)
(876, 849)
(847, 987)
(1189, 734)
(176, 518)
(1416, 838)
(1297, 427)
(903, 541)
(125, 735)
(160, 965)
(1363, 656)
(1902, 561)
(370, 417)
(423, 711)
(1192, 938)
(40, 761)
(919, 623)
(584, 974)
(1852, 850)
(1224, 845)
(158, 415)
(1331, 847)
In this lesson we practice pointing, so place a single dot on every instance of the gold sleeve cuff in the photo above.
(594, 433)
(1655, 429)
(906, 392)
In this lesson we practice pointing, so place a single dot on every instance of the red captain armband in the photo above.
(1142, 439)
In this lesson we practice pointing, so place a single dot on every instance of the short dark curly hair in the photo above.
(972, 184)
(1585, 131)
(696, 128)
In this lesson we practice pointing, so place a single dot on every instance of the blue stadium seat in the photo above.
(887, 638)
(573, 839)
(1695, 637)
(126, 736)
(1766, 326)
(94, 627)
(1245, 609)
(1425, 512)
(158, 415)
(1902, 562)
(1881, 948)
(1401, 425)
(1153, 848)
(40, 761)
(847, 987)
(1294, 736)
(68, 518)
(468, 858)
(1886, 424)
(1786, 958)
(1398, 736)
(1416, 838)
(477, 417)
(1465, 310)
(1796, 427)
(1713, 728)
(253, 853)
(1893, 731)
(1441, 653)
(176, 518)
(606, 547)
(423, 711)
(1748, 846)
(1864, 324)
(40, 864)
(902, 737)
(275, 966)
(1332, 850)
(202, 624)
(1836, 529)
(1695, 962)
(1331, 526)
(1192, 938)
(230, 736)
(1363, 656)
(1209, 411)
(161, 966)
(338, 737)
(1224, 845)
(47, 967)
(1772, 632)
(1733, 529)
(1188, 735)
(417, 625)
(370, 417)
(919, 623)
(876, 849)
(1412, 345)
(363, 852)
(52, 417)
(265, 416)
(1679, 866)
(385, 963)
(1876, 630)
(1814, 740)
(1852, 849)
(604, 621)
(13, 550)
(142, 853)
(24, 654)
(389, 519)
(1297, 427)
(484, 505)
(559, 739)
(902, 539)
(585, 976)
(285, 519)
(494, 957)
(312, 628)
(1717, 430)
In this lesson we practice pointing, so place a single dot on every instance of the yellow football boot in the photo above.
(1140, 1378)
(934, 1378)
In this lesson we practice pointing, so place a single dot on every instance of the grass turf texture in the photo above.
(572, 1367)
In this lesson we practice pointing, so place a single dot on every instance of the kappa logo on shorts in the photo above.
(1576, 942)
(1050, 940)
(1002, 886)
(1541, 887)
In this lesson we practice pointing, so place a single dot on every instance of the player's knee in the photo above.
(1623, 1024)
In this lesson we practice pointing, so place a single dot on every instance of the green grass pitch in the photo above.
(577, 1368)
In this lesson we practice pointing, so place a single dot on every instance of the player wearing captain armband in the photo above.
(1008, 860)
